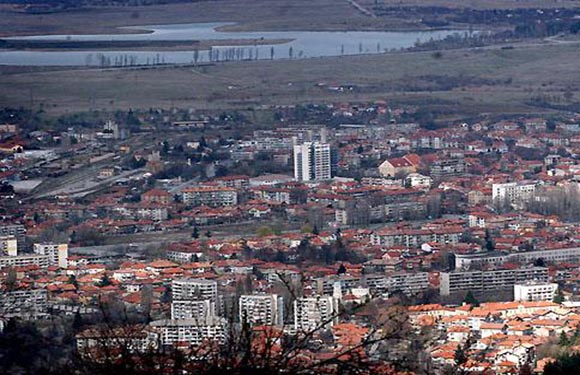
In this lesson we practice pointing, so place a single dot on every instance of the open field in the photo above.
(477, 4)
(470, 81)
(254, 14)
(250, 14)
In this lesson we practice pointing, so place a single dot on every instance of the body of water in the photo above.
(302, 44)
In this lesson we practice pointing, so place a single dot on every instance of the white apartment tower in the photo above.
(513, 193)
(266, 309)
(312, 161)
(194, 289)
(8, 246)
(311, 313)
(191, 309)
(193, 299)
(57, 253)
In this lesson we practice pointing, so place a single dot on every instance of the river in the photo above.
(301, 45)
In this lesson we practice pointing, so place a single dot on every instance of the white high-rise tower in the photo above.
(312, 161)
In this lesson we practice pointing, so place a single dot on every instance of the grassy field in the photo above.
(478, 4)
(466, 81)
(253, 14)
(250, 14)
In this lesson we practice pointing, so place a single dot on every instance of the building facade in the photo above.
(267, 309)
(535, 291)
(312, 161)
(312, 313)
(57, 253)
(485, 281)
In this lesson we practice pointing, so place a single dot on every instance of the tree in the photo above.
(264, 231)
(341, 270)
(459, 356)
(77, 321)
(195, 233)
(105, 281)
(208, 233)
(11, 280)
(470, 299)
(539, 262)
(526, 369)
(166, 296)
(315, 230)
(559, 297)
(489, 243)
(73, 281)
(146, 302)
(567, 363)
(563, 341)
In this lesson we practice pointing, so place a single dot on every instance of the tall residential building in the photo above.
(191, 309)
(513, 193)
(194, 299)
(312, 313)
(23, 303)
(312, 161)
(267, 309)
(192, 331)
(57, 253)
(16, 230)
(194, 289)
(8, 246)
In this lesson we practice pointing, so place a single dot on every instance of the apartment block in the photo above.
(191, 309)
(23, 303)
(312, 313)
(496, 258)
(312, 161)
(513, 193)
(532, 291)
(14, 230)
(57, 253)
(41, 261)
(194, 289)
(8, 246)
(267, 309)
(415, 237)
(485, 281)
(192, 331)
(213, 196)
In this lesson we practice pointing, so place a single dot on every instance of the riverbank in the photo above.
(132, 45)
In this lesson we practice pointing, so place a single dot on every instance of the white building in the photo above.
(194, 289)
(513, 193)
(193, 299)
(266, 309)
(213, 196)
(487, 281)
(57, 253)
(311, 313)
(41, 261)
(132, 338)
(8, 246)
(312, 161)
(192, 331)
(418, 180)
(535, 291)
(190, 309)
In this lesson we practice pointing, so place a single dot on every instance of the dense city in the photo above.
(343, 234)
